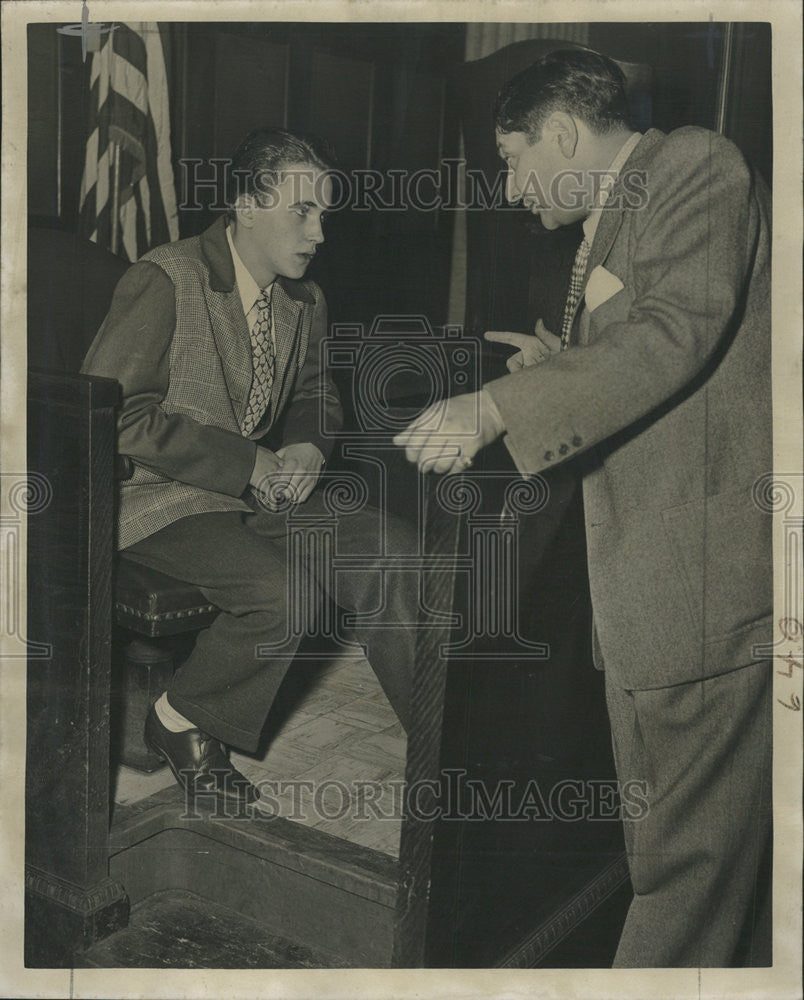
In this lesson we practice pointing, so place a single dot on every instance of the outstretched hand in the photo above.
(447, 435)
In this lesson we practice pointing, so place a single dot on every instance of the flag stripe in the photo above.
(160, 117)
(129, 118)
(129, 43)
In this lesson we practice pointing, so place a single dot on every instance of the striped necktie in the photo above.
(574, 294)
(262, 362)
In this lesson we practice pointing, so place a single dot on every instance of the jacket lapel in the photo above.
(608, 227)
(286, 312)
(229, 327)
(610, 222)
(611, 218)
(233, 341)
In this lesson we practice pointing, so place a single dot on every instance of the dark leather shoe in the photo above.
(198, 763)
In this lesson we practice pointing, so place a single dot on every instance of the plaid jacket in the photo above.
(177, 341)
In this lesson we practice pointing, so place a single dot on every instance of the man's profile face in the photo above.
(541, 178)
(287, 231)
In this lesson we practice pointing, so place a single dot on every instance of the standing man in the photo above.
(216, 342)
(664, 400)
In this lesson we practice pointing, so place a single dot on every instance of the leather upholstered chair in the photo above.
(70, 287)
(155, 612)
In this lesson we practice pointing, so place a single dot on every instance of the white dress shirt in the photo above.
(247, 288)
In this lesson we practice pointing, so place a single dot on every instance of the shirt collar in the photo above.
(592, 221)
(247, 287)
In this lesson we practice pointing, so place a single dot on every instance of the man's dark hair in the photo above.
(580, 82)
(260, 157)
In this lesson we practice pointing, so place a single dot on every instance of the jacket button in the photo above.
(563, 449)
(549, 456)
(577, 441)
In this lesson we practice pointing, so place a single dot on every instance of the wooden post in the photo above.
(115, 240)
(424, 741)
(724, 83)
(70, 901)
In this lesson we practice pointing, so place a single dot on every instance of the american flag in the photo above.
(128, 156)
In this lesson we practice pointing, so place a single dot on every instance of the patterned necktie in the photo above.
(262, 362)
(574, 294)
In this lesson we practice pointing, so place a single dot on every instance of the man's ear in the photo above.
(564, 131)
(244, 209)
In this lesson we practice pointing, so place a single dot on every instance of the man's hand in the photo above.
(266, 465)
(301, 467)
(533, 349)
(447, 435)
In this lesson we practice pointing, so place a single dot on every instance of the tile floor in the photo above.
(335, 756)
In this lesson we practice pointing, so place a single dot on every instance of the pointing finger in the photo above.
(506, 337)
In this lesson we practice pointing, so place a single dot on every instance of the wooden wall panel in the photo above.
(43, 115)
(256, 94)
(341, 104)
(419, 121)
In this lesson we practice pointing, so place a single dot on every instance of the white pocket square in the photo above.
(602, 284)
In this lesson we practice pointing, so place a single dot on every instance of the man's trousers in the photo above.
(263, 570)
(696, 852)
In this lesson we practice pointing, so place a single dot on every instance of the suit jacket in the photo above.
(177, 341)
(666, 401)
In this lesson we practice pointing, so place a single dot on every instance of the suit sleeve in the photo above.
(690, 264)
(133, 346)
(315, 409)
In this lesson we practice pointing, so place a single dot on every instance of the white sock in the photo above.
(170, 718)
